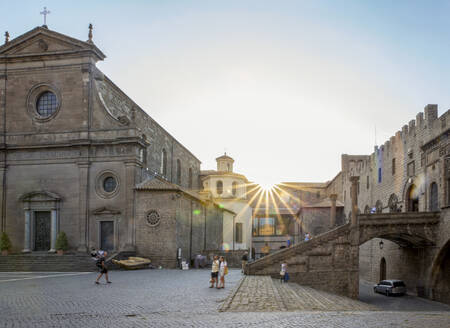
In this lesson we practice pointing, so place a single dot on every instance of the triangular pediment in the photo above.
(42, 41)
(106, 211)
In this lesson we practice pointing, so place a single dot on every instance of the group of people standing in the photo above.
(218, 272)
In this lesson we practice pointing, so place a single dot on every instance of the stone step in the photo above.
(46, 263)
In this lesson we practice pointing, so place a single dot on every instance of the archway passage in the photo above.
(441, 276)
(412, 199)
(382, 269)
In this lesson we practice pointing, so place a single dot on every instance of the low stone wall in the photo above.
(233, 258)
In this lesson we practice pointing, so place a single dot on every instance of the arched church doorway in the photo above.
(441, 275)
(412, 199)
(382, 269)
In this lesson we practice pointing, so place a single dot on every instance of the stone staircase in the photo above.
(270, 264)
(329, 262)
(45, 262)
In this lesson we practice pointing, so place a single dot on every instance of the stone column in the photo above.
(333, 198)
(83, 173)
(53, 231)
(27, 232)
(130, 182)
(354, 191)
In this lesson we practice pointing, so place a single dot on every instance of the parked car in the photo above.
(390, 287)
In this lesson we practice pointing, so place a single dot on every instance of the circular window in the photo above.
(47, 104)
(153, 218)
(109, 184)
(43, 102)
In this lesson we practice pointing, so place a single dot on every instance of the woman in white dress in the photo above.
(223, 268)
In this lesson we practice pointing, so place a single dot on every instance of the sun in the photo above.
(267, 185)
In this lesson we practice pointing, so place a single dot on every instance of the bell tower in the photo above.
(224, 163)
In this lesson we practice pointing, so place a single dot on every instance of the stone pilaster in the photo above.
(333, 198)
(27, 232)
(131, 170)
(354, 180)
(53, 230)
(83, 173)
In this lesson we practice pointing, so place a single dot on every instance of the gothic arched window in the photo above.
(219, 187)
(190, 177)
(178, 172)
(163, 170)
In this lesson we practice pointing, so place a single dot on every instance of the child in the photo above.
(283, 272)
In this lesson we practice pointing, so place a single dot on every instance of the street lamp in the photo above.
(381, 244)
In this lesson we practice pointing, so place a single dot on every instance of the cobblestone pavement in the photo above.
(163, 298)
(262, 293)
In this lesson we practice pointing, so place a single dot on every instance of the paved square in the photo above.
(163, 298)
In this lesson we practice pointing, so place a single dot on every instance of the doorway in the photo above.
(382, 269)
(412, 199)
(41, 231)
(107, 235)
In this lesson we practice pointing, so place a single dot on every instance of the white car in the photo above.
(390, 287)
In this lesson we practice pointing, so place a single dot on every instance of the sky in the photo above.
(284, 87)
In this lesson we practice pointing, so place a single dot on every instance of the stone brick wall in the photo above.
(185, 223)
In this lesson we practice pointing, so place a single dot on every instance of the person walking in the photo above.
(307, 236)
(284, 276)
(214, 272)
(223, 270)
(102, 268)
(244, 261)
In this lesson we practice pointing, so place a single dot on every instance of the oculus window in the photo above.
(47, 104)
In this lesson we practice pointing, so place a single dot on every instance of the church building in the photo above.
(78, 155)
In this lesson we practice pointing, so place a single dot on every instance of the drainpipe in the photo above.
(190, 237)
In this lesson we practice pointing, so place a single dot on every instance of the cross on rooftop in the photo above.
(45, 13)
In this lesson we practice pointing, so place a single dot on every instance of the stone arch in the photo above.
(434, 202)
(393, 203)
(440, 275)
(378, 206)
(412, 198)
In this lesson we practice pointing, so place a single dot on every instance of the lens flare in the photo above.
(225, 247)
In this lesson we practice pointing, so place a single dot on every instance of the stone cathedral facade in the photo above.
(78, 155)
